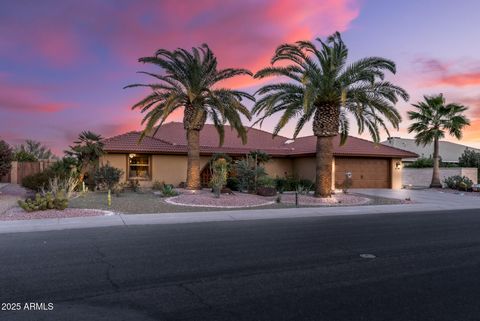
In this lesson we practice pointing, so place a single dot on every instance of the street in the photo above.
(419, 266)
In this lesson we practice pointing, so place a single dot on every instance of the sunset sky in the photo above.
(63, 63)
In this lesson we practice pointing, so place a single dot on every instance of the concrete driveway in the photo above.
(428, 199)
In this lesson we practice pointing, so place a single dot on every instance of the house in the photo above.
(449, 152)
(163, 157)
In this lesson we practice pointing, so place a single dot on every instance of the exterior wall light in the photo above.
(398, 165)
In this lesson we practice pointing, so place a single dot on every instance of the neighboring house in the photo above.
(164, 156)
(449, 152)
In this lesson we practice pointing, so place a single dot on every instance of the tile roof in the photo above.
(171, 139)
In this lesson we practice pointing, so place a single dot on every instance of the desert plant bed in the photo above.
(336, 199)
(16, 213)
(205, 198)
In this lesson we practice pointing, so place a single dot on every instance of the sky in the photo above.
(63, 64)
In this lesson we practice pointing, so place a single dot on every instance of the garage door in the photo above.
(366, 172)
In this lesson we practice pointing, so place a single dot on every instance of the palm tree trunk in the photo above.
(193, 164)
(436, 165)
(323, 174)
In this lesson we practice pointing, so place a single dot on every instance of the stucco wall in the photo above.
(280, 167)
(423, 176)
(396, 170)
(116, 160)
(172, 169)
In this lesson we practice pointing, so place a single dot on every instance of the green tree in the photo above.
(431, 119)
(34, 148)
(6, 157)
(319, 85)
(191, 81)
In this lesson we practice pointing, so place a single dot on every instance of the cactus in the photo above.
(44, 202)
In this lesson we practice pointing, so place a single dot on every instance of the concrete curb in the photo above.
(199, 217)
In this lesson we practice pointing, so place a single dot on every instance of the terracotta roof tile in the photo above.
(171, 139)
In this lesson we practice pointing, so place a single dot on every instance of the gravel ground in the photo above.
(335, 200)
(147, 202)
(17, 213)
(453, 191)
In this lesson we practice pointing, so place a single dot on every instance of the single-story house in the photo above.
(449, 152)
(163, 157)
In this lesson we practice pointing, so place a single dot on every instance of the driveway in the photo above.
(428, 199)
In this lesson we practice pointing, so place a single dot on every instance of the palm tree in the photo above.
(87, 150)
(191, 81)
(321, 86)
(432, 118)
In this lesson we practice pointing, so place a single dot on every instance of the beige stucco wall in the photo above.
(423, 176)
(280, 167)
(396, 170)
(172, 169)
(305, 167)
(116, 160)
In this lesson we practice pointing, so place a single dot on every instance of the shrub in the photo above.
(248, 174)
(6, 158)
(233, 183)
(134, 185)
(266, 181)
(106, 177)
(266, 191)
(24, 156)
(168, 190)
(219, 175)
(44, 202)
(39, 181)
(470, 158)
(458, 182)
(281, 184)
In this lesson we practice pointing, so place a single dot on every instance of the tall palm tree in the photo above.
(432, 118)
(321, 86)
(190, 80)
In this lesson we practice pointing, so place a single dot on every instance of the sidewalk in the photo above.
(425, 201)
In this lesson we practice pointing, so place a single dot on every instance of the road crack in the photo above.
(102, 258)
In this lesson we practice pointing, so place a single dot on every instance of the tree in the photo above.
(6, 157)
(107, 177)
(432, 118)
(470, 158)
(87, 150)
(320, 86)
(36, 150)
(191, 81)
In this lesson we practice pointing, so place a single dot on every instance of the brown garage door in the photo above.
(366, 172)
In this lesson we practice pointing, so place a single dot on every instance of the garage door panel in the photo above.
(366, 172)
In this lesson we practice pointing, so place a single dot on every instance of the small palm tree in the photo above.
(432, 118)
(191, 81)
(321, 86)
(87, 150)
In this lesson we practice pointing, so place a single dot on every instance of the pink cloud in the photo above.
(449, 73)
(25, 98)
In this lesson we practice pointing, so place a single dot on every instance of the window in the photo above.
(139, 166)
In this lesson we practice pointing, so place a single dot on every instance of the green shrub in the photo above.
(281, 184)
(168, 190)
(6, 157)
(458, 182)
(233, 183)
(219, 175)
(24, 156)
(106, 177)
(248, 174)
(39, 181)
(266, 181)
(44, 202)
(134, 185)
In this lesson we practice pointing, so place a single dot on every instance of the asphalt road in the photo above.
(427, 267)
